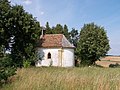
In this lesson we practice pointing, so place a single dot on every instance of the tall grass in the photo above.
(85, 78)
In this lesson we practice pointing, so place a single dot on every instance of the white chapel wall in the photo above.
(67, 57)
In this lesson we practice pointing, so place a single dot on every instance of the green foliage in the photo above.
(93, 43)
(114, 65)
(65, 32)
(26, 63)
(48, 29)
(74, 36)
(26, 31)
(58, 29)
(4, 23)
(7, 69)
(6, 61)
(19, 32)
(5, 73)
(5, 11)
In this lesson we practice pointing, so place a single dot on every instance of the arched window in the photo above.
(49, 55)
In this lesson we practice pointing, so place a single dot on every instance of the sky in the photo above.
(76, 13)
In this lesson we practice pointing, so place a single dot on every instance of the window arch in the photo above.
(49, 55)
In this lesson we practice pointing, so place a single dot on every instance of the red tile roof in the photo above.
(54, 40)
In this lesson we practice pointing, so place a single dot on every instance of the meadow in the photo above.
(55, 78)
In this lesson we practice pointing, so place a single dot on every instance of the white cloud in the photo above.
(27, 2)
(41, 13)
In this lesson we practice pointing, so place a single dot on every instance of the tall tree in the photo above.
(6, 66)
(74, 36)
(48, 29)
(25, 31)
(5, 10)
(93, 43)
(58, 29)
(65, 31)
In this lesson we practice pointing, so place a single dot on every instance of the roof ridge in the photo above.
(55, 40)
(53, 34)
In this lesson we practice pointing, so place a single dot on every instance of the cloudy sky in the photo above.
(76, 13)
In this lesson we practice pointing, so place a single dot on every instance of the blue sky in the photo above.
(76, 13)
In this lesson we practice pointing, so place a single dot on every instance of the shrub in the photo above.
(26, 63)
(5, 73)
(114, 65)
(7, 69)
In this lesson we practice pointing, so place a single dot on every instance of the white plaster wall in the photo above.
(67, 57)
(45, 61)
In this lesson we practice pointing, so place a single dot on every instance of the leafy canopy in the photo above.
(93, 43)
(25, 32)
(19, 31)
(58, 29)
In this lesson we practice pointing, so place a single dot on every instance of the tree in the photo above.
(4, 23)
(74, 36)
(58, 29)
(7, 68)
(25, 32)
(93, 43)
(19, 32)
(48, 29)
(65, 31)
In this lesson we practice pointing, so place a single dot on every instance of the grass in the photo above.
(53, 78)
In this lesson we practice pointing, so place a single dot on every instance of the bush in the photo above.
(114, 65)
(5, 73)
(7, 69)
(26, 63)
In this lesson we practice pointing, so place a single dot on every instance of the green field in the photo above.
(53, 78)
